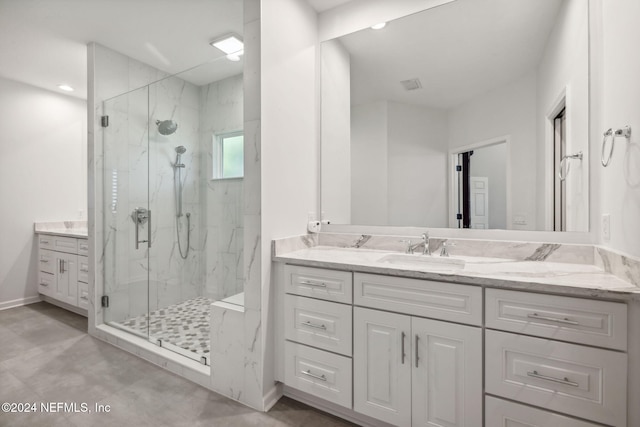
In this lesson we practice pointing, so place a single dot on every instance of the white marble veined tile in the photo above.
(227, 342)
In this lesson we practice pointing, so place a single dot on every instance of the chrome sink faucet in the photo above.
(425, 239)
(410, 248)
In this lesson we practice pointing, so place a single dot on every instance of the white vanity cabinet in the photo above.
(553, 369)
(409, 370)
(318, 332)
(63, 269)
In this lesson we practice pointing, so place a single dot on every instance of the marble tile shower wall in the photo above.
(138, 171)
(221, 111)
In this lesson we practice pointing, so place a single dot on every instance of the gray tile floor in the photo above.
(47, 356)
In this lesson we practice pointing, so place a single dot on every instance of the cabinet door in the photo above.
(447, 374)
(66, 278)
(382, 365)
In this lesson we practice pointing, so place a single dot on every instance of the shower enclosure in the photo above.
(173, 232)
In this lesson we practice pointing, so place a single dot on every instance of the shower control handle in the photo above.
(141, 216)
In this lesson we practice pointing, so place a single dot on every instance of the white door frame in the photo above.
(453, 175)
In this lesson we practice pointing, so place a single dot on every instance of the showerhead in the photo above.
(180, 150)
(166, 127)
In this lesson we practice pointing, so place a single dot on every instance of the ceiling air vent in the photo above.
(411, 84)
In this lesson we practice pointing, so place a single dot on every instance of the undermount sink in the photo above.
(419, 260)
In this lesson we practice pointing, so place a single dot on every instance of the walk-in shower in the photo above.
(178, 189)
(158, 157)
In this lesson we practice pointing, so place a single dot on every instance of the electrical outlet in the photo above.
(313, 226)
(606, 227)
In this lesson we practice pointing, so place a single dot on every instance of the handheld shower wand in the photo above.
(179, 186)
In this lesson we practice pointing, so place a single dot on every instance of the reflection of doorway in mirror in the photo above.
(560, 185)
(480, 169)
(479, 195)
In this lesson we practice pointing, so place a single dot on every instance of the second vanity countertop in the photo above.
(77, 229)
(555, 277)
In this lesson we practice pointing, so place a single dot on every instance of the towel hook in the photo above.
(626, 132)
(564, 162)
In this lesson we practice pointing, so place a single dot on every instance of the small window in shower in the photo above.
(228, 155)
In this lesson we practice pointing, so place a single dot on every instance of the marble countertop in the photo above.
(543, 276)
(77, 229)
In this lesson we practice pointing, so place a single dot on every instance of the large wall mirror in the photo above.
(473, 114)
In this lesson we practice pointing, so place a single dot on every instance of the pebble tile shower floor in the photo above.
(185, 325)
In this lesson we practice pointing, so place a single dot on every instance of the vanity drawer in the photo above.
(58, 243)
(322, 324)
(426, 298)
(597, 323)
(83, 295)
(46, 261)
(83, 269)
(83, 247)
(45, 241)
(320, 373)
(502, 413)
(46, 283)
(582, 381)
(330, 285)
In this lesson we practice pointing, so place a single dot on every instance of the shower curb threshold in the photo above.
(166, 359)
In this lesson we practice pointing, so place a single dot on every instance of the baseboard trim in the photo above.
(333, 409)
(272, 397)
(68, 307)
(5, 305)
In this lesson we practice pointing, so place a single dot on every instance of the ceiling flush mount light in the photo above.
(231, 45)
(379, 26)
(65, 87)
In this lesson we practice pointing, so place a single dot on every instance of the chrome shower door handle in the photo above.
(149, 229)
(135, 220)
(142, 216)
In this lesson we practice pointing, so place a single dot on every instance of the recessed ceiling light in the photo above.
(379, 26)
(229, 44)
(66, 88)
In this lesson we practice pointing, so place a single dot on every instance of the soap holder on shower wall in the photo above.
(610, 134)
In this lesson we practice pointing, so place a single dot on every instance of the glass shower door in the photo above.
(127, 218)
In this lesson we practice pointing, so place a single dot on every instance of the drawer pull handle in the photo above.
(44, 260)
(84, 297)
(552, 319)
(84, 270)
(564, 380)
(44, 242)
(402, 354)
(317, 285)
(44, 284)
(417, 355)
(312, 375)
(313, 325)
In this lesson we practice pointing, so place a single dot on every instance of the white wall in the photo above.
(289, 162)
(43, 177)
(491, 162)
(564, 67)
(369, 165)
(417, 156)
(619, 184)
(336, 132)
(506, 111)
